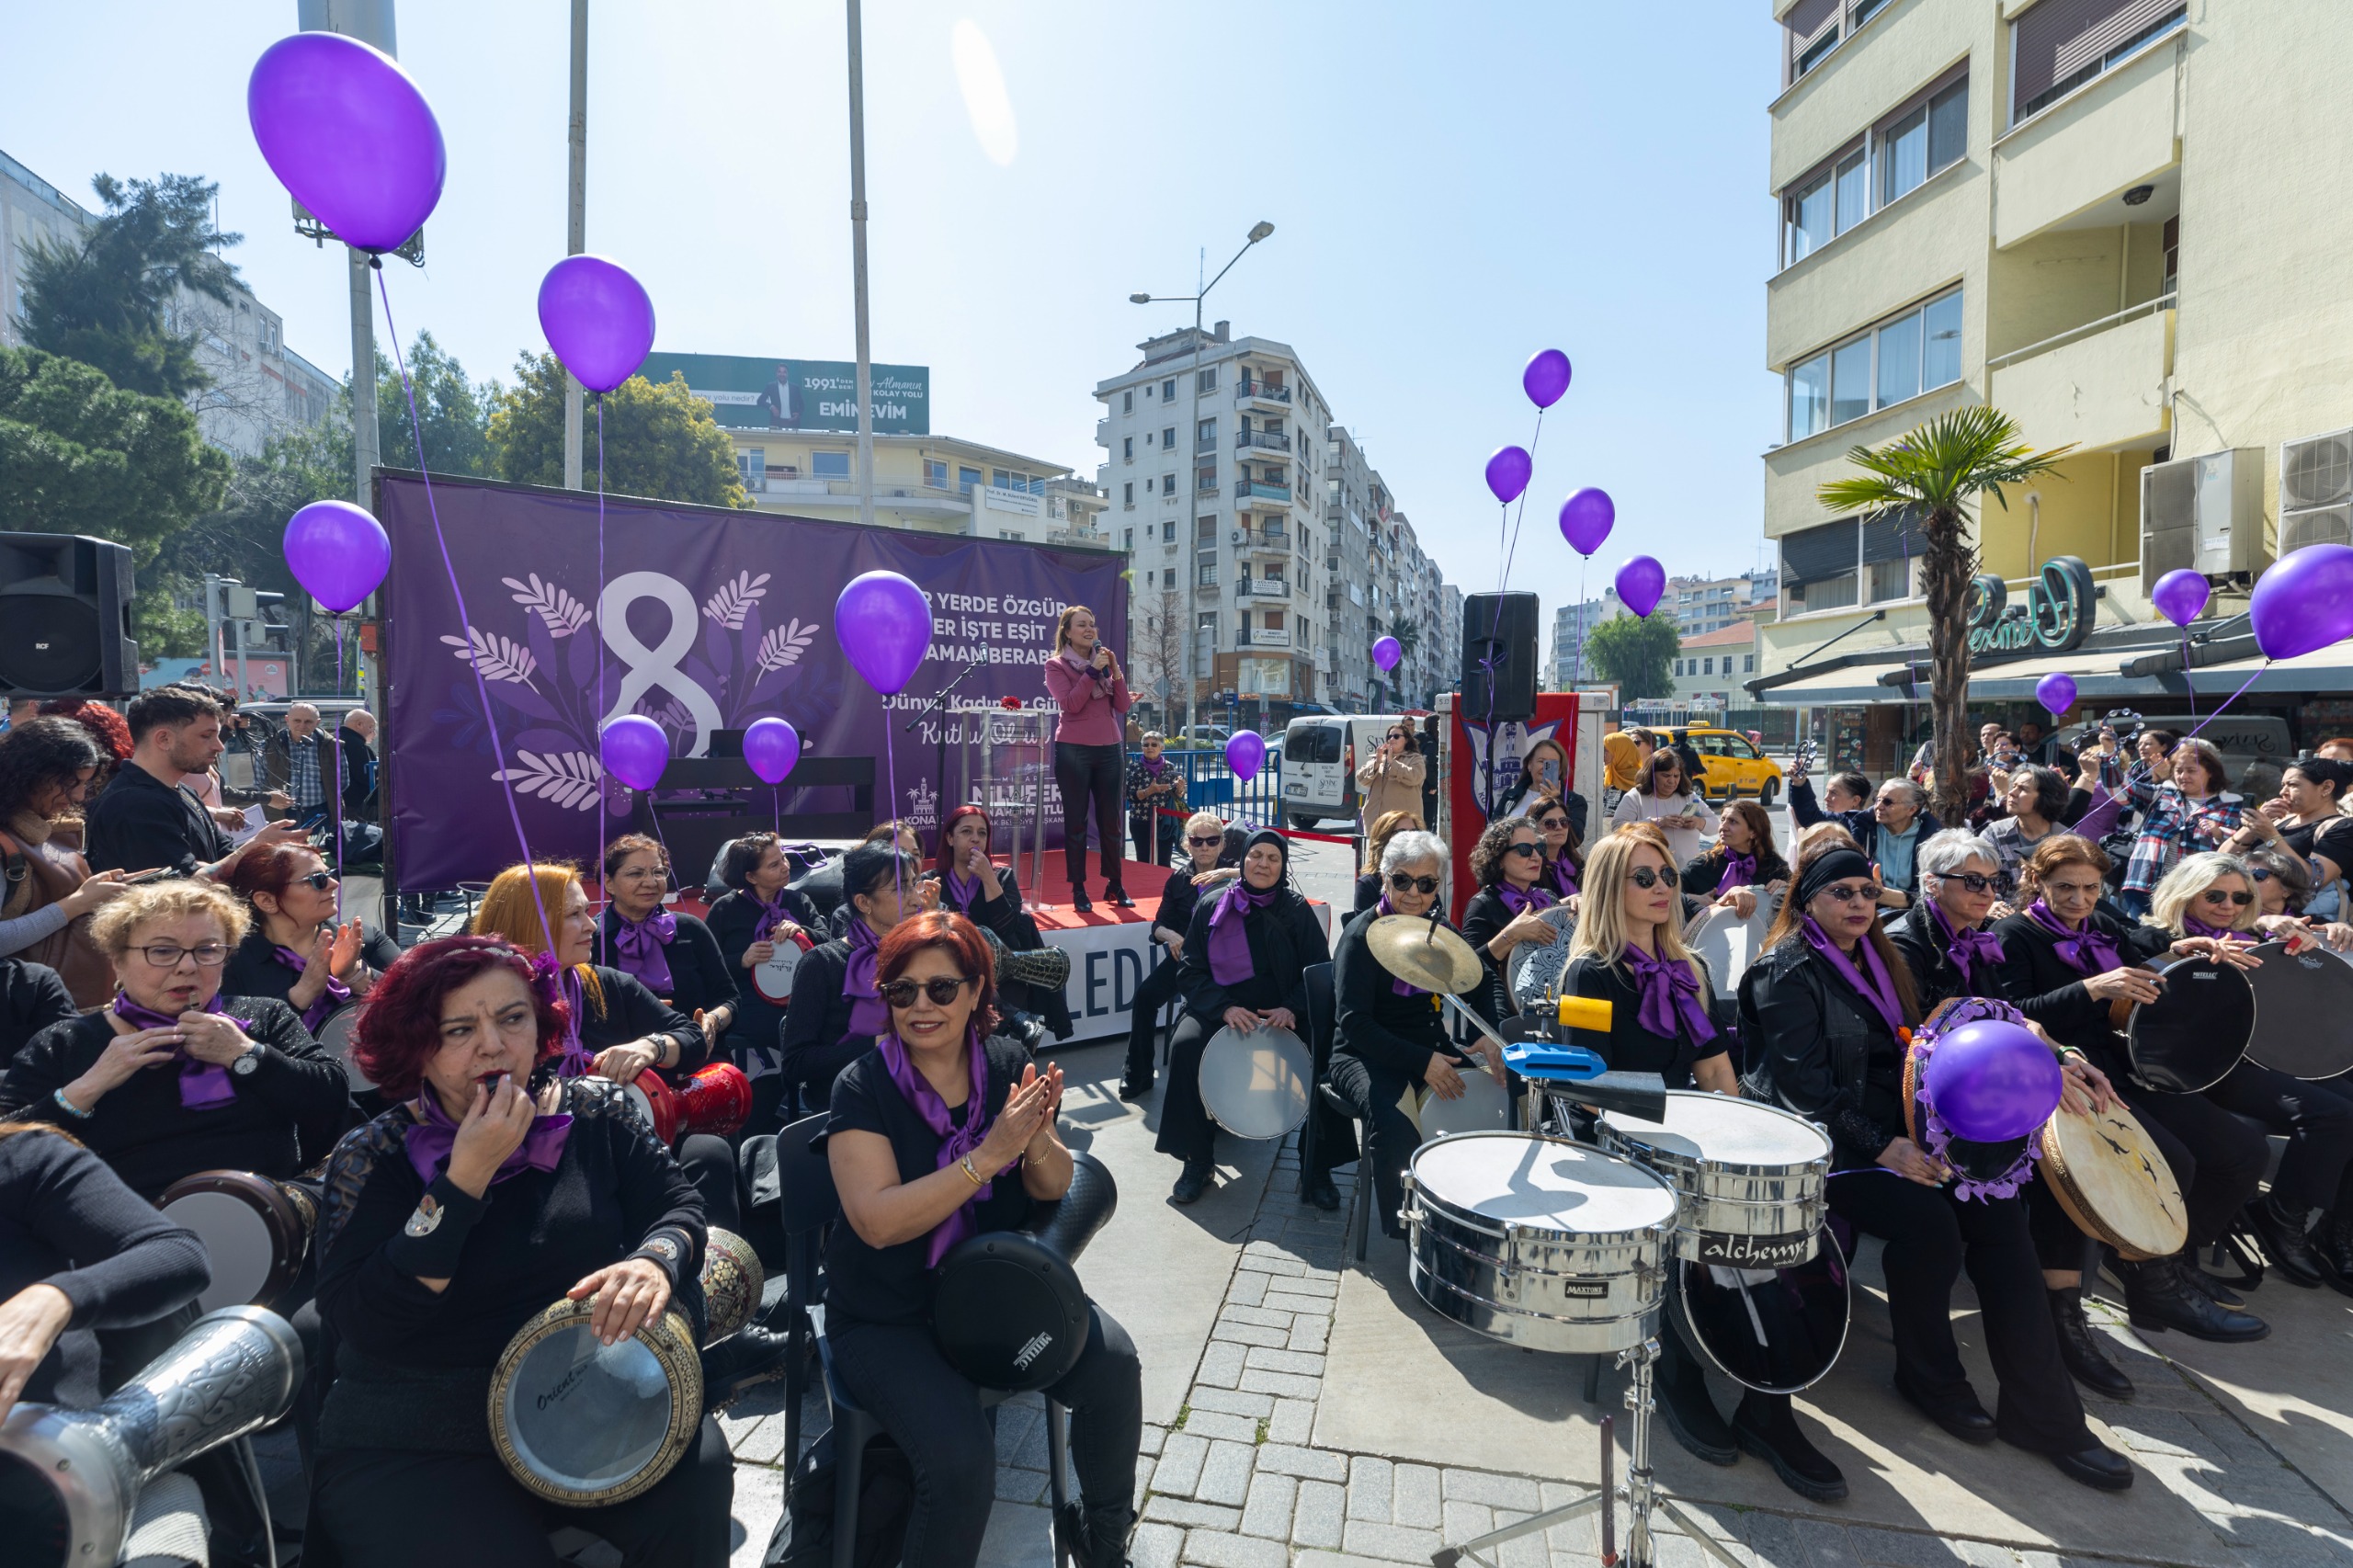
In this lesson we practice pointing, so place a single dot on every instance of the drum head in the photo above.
(1482, 1107)
(1256, 1085)
(2305, 1002)
(1543, 1181)
(1536, 967)
(252, 1234)
(773, 980)
(654, 1104)
(1008, 1313)
(577, 1422)
(1701, 1126)
(1777, 1331)
(2194, 1033)
(1729, 944)
(2113, 1181)
(335, 1038)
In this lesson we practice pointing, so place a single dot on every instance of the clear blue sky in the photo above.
(1453, 188)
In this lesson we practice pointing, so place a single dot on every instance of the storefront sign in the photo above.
(2057, 616)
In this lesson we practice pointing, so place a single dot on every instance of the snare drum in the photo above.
(773, 980)
(1256, 1085)
(2188, 1040)
(2305, 1004)
(255, 1231)
(584, 1423)
(1539, 1241)
(1750, 1176)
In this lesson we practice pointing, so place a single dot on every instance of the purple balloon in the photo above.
(635, 750)
(1387, 652)
(2056, 692)
(1246, 754)
(1507, 472)
(347, 133)
(1546, 378)
(1585, 519)
(2304, 602)
(883, 623)
(2180, 594)
(1640, 583)
(597, 318)
(337, 553)
(771, 749)
(1991, 1080)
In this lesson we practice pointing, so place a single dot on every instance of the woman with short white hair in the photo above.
(1942, 936)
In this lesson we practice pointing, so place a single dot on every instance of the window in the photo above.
(1127, 448)
(1271, 620)
(1205, 436)
(1147, 437)
(1208, 381)
(935, 474)
(1128, 401)
(1916, 352)
(1850, 380)
(1205, 477)
(1810, 398)
(1708, 666)
(1128, 492)
(1889, 580)
(1854, 190)
(1940, 359)
(1748, 664)
(2065, 46)
(1168, 484)
(1132, 539)
(1169, 578)
(1846, 562)
(1209, 573)
(1899, 361)
(1923, 140)
(829, 465)
(1167, 389)
(966, 477)
(1168, 436)
(1168, 531)
(1205, 530)
(1809, 218)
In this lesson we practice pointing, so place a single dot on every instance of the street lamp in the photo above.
(1258, 232)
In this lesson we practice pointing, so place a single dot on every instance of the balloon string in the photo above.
(482, 686)
(1513, 552)
(596, 830)
(2186, 678)
(338, 778)
(2227, 701)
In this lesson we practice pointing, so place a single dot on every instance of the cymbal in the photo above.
(1424, 953)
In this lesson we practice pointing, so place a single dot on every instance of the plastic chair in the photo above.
(805, 1206)
(1359, 1220)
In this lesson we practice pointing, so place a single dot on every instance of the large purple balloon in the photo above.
(2056, 692)
(2180, 594)
(1640, 583)
(347, 133)
(1507, 472)
(771, 749)
(1585, 519)
(599, 319)
(1546, 378)
(337, 553)
(883, 623)
(1991, 1080)
(635, 750)
(1387, 652)
(2304, 602)
(1246, 754)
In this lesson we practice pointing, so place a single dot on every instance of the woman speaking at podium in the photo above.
(1090, 756)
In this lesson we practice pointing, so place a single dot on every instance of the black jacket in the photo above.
(32, 997)
(2046, 988)
(1702, 872)
(140, 822)
(1284, 939)
(1817, 1049)
(701, 976)
(629, 1011)
(360, 798)
(1017, 929)
(757, 1033)
(817, 1041)
(254, 969)
(1177, 900)
(1628, 1047)
(1376, 1025)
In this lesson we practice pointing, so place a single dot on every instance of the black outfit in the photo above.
(879, 1318)
(140, 822)
(699, 977)
(1369, 892)
(253, 970)
(1284, 938)
(294, 1103)
(32, 997)
(756, 1039)
(817, 1041)
(407, 1472)
(2332, 836)
(1162, 986)
(1819, 1050)
(1090, 775)
(1702, 872)
(359, 795)
(1627, 1046)
(1482, 919)
(1017, 929)
(629, 1011)
(1935, 977)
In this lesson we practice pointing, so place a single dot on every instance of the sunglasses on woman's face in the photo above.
(1969, 880)
(1523, 850)
(2217, 897)
(1645, 879)
(1399, 882)
(942, 990)
(1554, 824)
(1205, 843)
(1853, 893)
(2260, 873)
(322, 881)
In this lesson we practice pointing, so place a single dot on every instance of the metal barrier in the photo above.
(1210, 786)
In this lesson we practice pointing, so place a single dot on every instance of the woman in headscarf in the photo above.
(989, 895)
(750, 920)
(1244, 961)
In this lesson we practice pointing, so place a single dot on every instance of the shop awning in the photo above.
(2099, 678)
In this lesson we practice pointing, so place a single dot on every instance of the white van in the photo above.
(1319, 757)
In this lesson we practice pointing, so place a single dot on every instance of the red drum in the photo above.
(715, 1099)
(773, 980)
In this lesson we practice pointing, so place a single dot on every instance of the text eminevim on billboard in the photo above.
(753, 393)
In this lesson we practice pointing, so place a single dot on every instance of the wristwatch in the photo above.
(244, 1066)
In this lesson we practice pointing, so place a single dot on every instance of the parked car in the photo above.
(1733, 763)
(1319, 757)
(1200, 737)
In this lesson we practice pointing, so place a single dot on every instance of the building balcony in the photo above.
(1262, 440)
(2100, 386)
(2112, 134)
(1262, 638)
(1262, 588)
(1254, 490)
(1103, 434)
(1262, 542)
(1262, 392)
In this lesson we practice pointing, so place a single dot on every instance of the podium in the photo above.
(1009, 767)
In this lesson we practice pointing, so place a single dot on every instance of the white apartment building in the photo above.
(1573, 624)
(1702, 604)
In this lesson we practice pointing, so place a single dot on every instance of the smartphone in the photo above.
(144, 878)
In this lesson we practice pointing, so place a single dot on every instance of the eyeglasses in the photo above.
(167, 954)
(2260, 873)
(1645, 879)
(1969, 880)
(1523, 850)
(1400, 881)
(1853, 893)
(1205, 843)
(901, 993)
(2217, 897)
(321, 880)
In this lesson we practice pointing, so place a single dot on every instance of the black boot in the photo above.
(2285, 1241)
(1095, 1538)
(1078, 899)
(1322, 1193)
(2210, 1285)
(1118, 896)
(1193, 1182)
(741, 1362)
(1763, 1426)
(1691, 1414)
(2157, 1297)
(2079, 1347)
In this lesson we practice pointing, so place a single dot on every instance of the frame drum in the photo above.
(1729, 944)
(255, 1231)
(335, 1038)
(773, 980)
(1537, 968)
(2188, 1039)
(2114, 1183)
(2305, 1002)
(584, 1424)
(1485, 1106)
(1256, 1085)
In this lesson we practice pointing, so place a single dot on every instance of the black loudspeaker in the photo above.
(1499, 658)
(65, 617)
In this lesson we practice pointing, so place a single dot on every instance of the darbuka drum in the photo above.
(1775, 1330)
(586, 1424)
(255, 1231)
(1483, 1106)
(1539, 1241)
(2304, 1008)
(1256, 1085)
(2114, 1183)
(1537, 966)
(715, 1098)
(732, 1282)
(1749, 1176)
(2189, 1038)
(335, 1038)
(773, 980)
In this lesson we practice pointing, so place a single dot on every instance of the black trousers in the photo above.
(1931, 1236)
(2218, 1159)
(2318, 1123)
(1185, 1130)
(1680, 1368)
(1096, 775)
(1391, 1136)
(385, 1508)
(933, 1414)
(1159, 988)
(709, 1164)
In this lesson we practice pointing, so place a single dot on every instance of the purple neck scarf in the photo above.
(641, 947)
(869, 1014)
(1968, 950)
(1564, 875)
(961, 889)
(1740, 872)
(1397, 987)
(1878, 989)
(2193, 926)
(772, 914)
(955, 1140)
(204, 1085)
(1518, 901)
(430, 1139)
(1085, 666)
(1229, 941)
(2087, 951)
(334, 997)
(1670, 996)
(1155, 767)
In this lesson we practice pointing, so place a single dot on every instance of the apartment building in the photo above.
(1711, 665)
(1573, 627)
(930, 484)
(2121, 222)
(1702, 604)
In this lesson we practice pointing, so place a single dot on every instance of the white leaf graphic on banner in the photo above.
(573, 779)
(563, 613)
(499, 658)
(727, 606)
(784, 645)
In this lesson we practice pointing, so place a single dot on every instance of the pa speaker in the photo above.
(1499, 657)
(65, 617)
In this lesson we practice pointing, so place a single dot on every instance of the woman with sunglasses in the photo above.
(1663, 797)
(2304, 821)
(1741, 863)
(1507, 911)
(1390, 778)
(989, 895)
(1245, 955)
(1827, 1012)
(1214, 853)
(1385, 826)
(942, 1131)
(295, 950)
(2283, 886)
(1154, 786)
(1564, 844)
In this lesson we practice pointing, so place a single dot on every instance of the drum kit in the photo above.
(256, 1231)
(716, 1098)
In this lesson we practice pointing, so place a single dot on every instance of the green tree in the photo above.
(101, 296)
(659, 441)
(454, 411)
(1938, 474)
(1638, 652)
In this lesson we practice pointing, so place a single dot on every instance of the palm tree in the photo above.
(1937, 474)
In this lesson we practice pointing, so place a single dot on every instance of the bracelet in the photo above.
(70, 1109)
(965, 1165)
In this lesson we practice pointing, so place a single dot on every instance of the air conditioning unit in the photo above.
(1241, 536)
(2316, 491)
(2204, 513)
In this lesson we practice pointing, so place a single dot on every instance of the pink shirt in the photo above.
(1091, 706)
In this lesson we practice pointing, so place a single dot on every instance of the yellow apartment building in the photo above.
(932, 483)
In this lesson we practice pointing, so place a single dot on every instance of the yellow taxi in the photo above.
(1733, 763)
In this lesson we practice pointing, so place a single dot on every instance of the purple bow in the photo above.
(1520, 900)
(204, 1085)
(1967, 949)
(1670, 996)
(431, 1138)
(1396, 987)
(334, 997)
(869, 1014)
(1878, 990)
(2087, 951)
(772, 914)
(1229, 940)
(1740, 872)
(1563, 873)
(962, 890)
(642, 947)
(955, 1140)
(2193, 926)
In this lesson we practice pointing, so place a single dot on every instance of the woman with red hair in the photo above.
(989, 895)
(490, 1189)
(940, 1133)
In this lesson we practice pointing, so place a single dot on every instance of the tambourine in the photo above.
(586, 1424)
(773, 980)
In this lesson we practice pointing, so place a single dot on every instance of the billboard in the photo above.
(758, 393)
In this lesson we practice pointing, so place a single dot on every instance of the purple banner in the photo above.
(708, 619)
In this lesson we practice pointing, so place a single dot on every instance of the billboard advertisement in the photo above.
(758, 393)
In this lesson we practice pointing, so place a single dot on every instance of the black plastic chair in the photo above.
(803, 1207)
(1358, 1223)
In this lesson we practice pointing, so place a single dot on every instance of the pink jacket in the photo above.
(1091, 707)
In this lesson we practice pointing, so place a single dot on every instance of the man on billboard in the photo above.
(781, 398)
